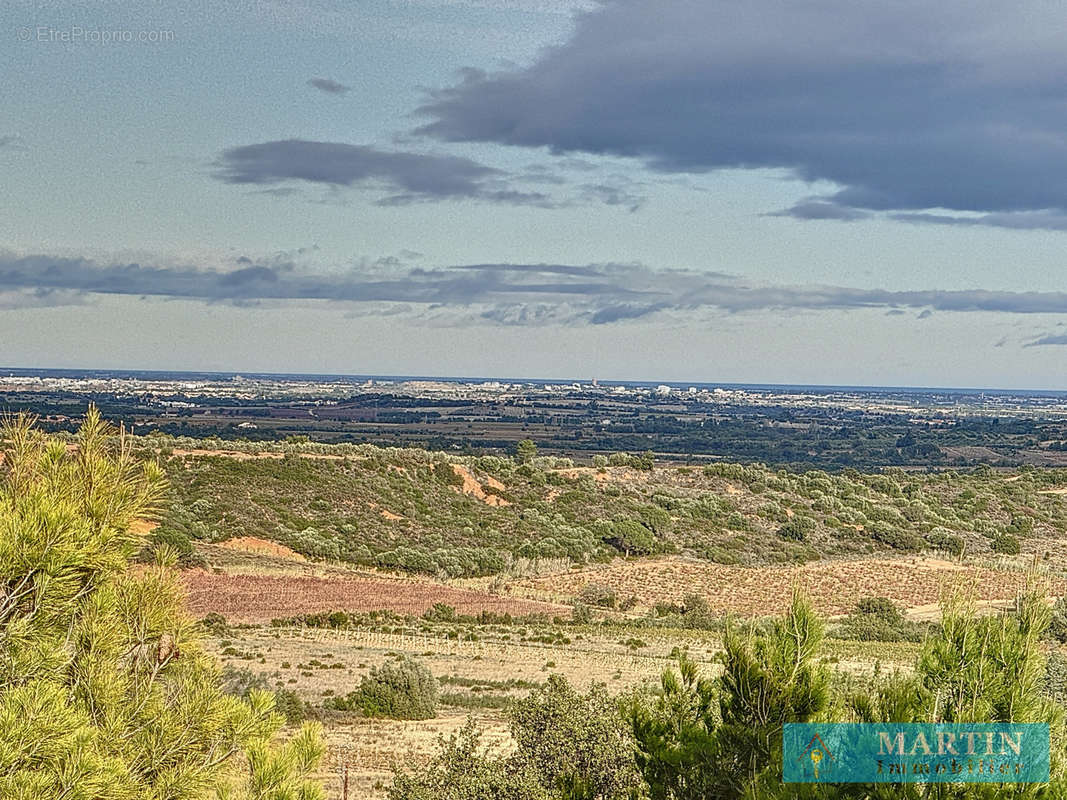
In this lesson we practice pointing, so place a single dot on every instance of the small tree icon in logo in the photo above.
(816, 751)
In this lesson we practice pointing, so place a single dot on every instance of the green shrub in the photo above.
(525, 451)
(402, 689)
(444, 472)
(179, 541)
(630, 537)
(441, 612)
(797, 528)
(568, 739)
(464, 769)
(1057, 628)
(880, 607)
(877, 619)
(941, 539)
(594, 594)
(243, 682)
(646, 461)
(895, 537)
(215, 624)
(1007, 544)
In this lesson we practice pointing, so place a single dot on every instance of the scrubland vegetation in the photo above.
(642, 686)
(434, 514)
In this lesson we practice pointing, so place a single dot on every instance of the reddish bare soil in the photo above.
(260, 598)
(237, 455)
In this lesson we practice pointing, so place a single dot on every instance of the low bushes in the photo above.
(402, 689)
(877, 619)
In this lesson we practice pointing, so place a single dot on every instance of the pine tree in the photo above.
(716, 739)
(104, 690)
(721, 738)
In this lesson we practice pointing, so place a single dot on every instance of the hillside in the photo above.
(432, 513)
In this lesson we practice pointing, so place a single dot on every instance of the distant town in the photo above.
(822, 427)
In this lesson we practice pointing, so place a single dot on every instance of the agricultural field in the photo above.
(913, 583)
(262, 598)
(489, 644)
(481, 669)
(795, 427)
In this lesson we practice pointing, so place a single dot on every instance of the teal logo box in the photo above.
(915, 752)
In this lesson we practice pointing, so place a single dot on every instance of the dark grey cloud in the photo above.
(277, 168)
(407, 177)
(906, 106)
(623, 311)
(328, 86)
(505, 293)
(821, 209)
(1048, 339)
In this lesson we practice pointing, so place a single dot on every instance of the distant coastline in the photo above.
(207, 375)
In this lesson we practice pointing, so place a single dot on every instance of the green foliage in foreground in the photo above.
(104, 690)
(243, 682)
(722, 739)
(569, 746)
(696, 737)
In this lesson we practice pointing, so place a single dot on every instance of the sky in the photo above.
(767, 191)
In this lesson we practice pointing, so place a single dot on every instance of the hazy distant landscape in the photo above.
(315, 563)
(533, 400)
(828, 428)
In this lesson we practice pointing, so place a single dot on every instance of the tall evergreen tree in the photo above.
(104, 690)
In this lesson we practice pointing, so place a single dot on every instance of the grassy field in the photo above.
(320, 664)
(914, 583)
(482, 666)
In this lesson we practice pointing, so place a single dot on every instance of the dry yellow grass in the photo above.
(834, 586)
(318, 664)
(252, 544)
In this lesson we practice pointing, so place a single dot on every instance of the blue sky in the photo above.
(816, 192)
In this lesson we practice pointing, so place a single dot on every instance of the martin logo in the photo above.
(815, 754)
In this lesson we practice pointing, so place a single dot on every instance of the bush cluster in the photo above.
(400, 689)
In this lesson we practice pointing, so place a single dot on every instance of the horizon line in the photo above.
(516, 379)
